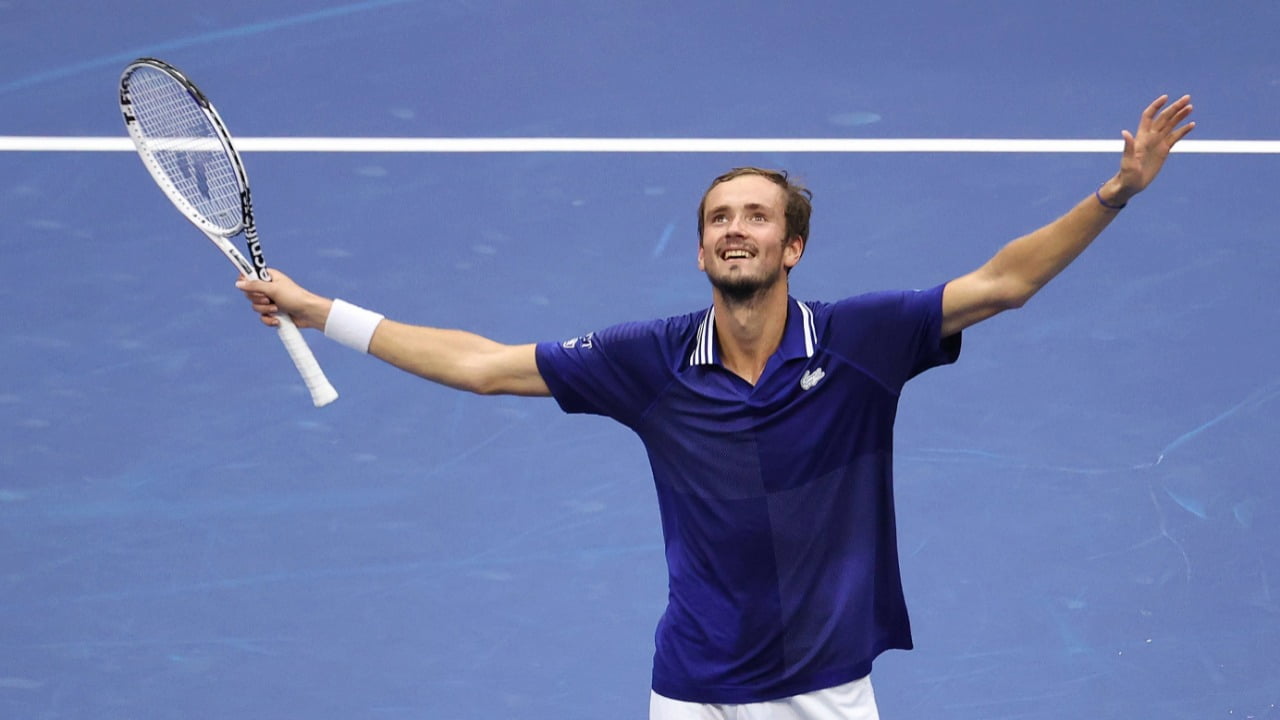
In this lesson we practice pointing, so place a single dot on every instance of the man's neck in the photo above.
(750, 331)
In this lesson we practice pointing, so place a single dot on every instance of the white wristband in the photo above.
(351, 325)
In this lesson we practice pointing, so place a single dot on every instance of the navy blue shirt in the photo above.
(776, 499)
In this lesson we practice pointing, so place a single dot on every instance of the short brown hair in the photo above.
(799, 199)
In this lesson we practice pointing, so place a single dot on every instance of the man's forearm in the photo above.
(1031, 261)
(458, 359)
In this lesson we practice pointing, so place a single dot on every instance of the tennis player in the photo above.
(769, 428)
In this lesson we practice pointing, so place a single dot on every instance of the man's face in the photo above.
(744, 249)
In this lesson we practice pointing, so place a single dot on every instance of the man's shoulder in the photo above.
(665, 336)
(876, 301)
(673, 327)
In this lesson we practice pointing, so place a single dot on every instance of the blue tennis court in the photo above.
(1088, 502)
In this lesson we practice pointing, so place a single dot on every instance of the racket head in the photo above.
(185, 146)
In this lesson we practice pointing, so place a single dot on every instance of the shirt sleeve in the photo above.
(895, 335)
(616, 372)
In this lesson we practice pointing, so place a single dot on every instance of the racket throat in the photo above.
(251, 239)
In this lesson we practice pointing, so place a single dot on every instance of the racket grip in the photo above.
(322, 393)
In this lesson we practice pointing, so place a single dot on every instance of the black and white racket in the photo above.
(188, 151)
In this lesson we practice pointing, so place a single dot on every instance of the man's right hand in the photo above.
(282, 294)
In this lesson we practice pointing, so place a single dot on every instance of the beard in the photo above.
(740, 289)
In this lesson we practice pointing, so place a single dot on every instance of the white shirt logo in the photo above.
(811, 378)
(586, 342)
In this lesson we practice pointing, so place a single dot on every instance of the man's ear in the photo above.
(793, 251)
(701, 265)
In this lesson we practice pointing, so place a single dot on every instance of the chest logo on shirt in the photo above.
(811, 378)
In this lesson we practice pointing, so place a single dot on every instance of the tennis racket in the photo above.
(188, 151)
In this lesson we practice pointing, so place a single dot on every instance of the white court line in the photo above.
(35, 143)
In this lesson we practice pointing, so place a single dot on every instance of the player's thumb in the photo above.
(278, 276)
(251, 285)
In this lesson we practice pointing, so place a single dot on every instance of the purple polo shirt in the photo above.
(776, 499)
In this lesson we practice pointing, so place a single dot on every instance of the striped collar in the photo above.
(799, 337)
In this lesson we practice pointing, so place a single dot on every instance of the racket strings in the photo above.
(182, 140)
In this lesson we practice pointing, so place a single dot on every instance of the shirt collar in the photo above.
(799, 337)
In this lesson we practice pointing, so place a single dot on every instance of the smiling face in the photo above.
(744, 249)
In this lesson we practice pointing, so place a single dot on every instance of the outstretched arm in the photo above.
(1025, 265)
(455, 358)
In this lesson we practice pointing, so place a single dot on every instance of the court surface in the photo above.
(1089, 512)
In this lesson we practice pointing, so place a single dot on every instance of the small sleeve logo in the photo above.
(586, 342)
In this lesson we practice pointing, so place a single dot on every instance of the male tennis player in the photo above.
(768, 423)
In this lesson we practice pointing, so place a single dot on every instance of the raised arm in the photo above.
(455, 358)
(1025, 265)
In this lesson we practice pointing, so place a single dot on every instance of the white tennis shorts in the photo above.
(851, 701)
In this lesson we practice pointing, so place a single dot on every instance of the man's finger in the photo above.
(1154, 107)
(1181, 133)
(252, 287)
(1173, 114)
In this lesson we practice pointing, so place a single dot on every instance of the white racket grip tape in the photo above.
(322, 393)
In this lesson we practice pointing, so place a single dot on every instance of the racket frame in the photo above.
(322, 392)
